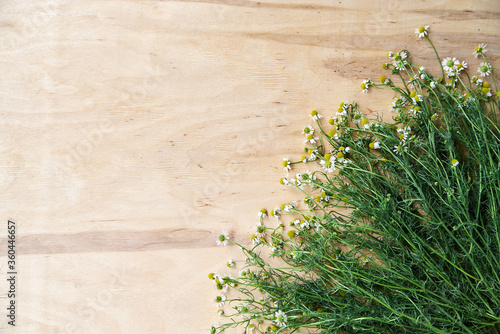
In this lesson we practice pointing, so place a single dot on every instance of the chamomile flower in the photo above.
(462, 66)
(223, 238)
(276, 213)
(484, 69)
(384, 80)
(214, 329)
(374, 145)
(308, 130)
(286, 164)
(422, 31)
(263, 213)
(315, 115)
(450, 64)
(399, 149)
(328, 166)
(480, 49)
(230, 263)
(280, 318)
(398, 102)
(260, 230)
(454, 162)
(365, 123)
(366, 84)
(311, 139)
(219, 300)
(289, 207)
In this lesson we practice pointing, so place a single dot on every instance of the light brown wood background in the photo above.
(132, 132)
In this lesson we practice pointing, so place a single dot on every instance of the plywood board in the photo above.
(134, 131)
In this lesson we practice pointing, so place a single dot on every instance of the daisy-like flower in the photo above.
(398, 102)
(484, 69)
(220, 312)
(223, 238)
(289, 207)
(313, 155)
(219, 300)
(307, 176)
(422, 31)
(284, 181)
(286, 164)
(230, 263)
(315, 115)
(308, 130)
(328, 166)
(399, 149)
(260, 230)
(310, 139)
(251, 328)
(454, 162)
(480, 49)
(384, 80)
(263, 213)
(256, 240)
(214, 329)
(365, 123)
(450, 64)
(374, 145)
(280, 318)
(415, 97)
(462, 66)
(366, 84)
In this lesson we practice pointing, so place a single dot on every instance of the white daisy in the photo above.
(223, 238)
(308, 130)
(315, 115)
(260, 230)
(450, 64)
(328, 166)
(280, 318)
(286, 164)
(219, 300)
(214, 329)
(480, 49)
(422, 31)
(311, 139)
(366, 84)
(263, 213)
(484, 69)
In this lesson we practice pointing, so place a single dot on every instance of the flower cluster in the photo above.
(399, 227)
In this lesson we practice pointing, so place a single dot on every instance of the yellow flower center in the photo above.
(421, 29)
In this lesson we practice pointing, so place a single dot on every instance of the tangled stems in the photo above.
(399, 228)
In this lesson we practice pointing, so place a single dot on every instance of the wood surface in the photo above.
(133, 132)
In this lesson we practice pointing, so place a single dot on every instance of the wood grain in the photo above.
(134, 131)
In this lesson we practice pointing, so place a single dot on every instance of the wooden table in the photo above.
(134, 131)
